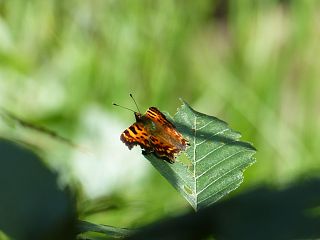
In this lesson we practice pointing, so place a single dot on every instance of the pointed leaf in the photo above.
(213, 165)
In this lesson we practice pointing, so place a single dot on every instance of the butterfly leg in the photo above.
(167, 159)
(146, 152)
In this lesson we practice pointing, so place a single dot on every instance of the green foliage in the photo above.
(253, 63)
(32, 204)
(215, 160)
(113, 232)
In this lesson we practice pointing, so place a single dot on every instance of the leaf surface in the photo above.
(213, 164)
(108, 231)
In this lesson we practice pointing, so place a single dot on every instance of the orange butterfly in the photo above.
(154, 133)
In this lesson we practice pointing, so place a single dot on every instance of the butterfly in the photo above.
(154, 133)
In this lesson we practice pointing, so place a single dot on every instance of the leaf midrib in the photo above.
(194, 160)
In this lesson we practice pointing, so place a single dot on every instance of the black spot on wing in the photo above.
(132, 128)
(127, 139)
(152, 113)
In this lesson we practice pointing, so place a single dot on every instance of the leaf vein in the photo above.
(224, 159)
(205, 125)
(194, 158)
(213, 150)
(224, 188)
(182, 179)
(226, 173)
(210, 138)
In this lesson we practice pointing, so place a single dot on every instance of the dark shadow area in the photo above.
(258, 214)
(32, 206)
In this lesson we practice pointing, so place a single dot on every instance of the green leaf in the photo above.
(109, 231)
(213, 165)
(32, 205)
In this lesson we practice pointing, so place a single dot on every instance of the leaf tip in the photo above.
(183, 102)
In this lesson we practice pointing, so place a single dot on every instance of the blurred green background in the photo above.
(253, 64)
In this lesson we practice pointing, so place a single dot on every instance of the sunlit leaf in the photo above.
(213, 165)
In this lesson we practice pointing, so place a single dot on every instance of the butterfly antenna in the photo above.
(135, 102)
(123, 107)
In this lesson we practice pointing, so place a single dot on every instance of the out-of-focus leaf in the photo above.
(109, 231)
(32, 206)
(213, 165)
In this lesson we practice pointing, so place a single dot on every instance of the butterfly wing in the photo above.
(163, 149)
(155, 133)
(136, 134)
(167, 142)
(155, 115)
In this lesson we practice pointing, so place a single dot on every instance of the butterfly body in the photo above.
(154, 133)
